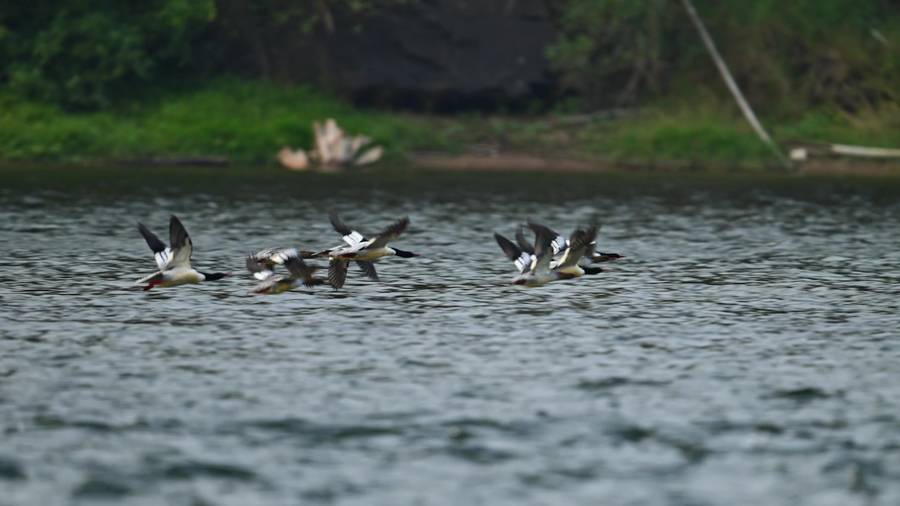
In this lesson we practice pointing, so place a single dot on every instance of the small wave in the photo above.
(479, 454)
(105, 487)
(195, 469)
(10, 469)
(803, 394)
(320, 432)
(610, 382)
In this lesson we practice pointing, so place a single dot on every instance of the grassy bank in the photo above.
(247, 122)
(242, 121)
(705, 133)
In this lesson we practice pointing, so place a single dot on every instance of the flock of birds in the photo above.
(549, 257)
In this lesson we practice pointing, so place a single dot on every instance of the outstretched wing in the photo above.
(275, 256)
(523, 243)
(521, 259)
(301, 270)
(337, 272)
(161, 253)
(389, 234)
(368, 269)
(181, 245)
(543, 249)
(559, 243)
(259, 269)
(581, 243)
(350, 236)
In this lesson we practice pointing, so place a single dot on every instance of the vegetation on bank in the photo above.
(105, 80)
(239, 120)
(248, 121)
(787, 56)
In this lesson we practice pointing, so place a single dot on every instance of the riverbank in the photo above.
(231, 121)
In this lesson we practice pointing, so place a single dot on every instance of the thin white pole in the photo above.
(732, 85)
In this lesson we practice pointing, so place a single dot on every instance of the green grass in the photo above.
(713, 135)
(244, 121)
(248, 122)
(681, 135)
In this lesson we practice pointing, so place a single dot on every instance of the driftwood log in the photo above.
(802, 152)
(333, 149)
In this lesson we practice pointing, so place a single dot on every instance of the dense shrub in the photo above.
(798, 53)
(78, 52)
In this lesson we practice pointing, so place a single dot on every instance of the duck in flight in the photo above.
(536, 264)
(265, 261)
(560, 244)
(300, 274)
(174, 260)
(362, 250)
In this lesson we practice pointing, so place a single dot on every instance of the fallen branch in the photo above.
(801, 152)
(732, 85)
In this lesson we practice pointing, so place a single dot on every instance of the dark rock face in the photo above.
(437, 54)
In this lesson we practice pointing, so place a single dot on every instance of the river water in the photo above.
(746, 352)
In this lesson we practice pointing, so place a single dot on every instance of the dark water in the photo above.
(745, 353)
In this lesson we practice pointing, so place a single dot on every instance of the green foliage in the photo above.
(789, 55)
(715, 133)
(681, 134)
(244, 121)
(79, 52)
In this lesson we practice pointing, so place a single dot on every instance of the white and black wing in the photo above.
(258, 268)
(521, 259)
(301, 270)
(337, 272)
(580, 244)
(543, 246)
(523, 243)
(368, 269)
(389, 234)
(559, 243)
(276, 256)
(350, 236)
(181, 245)
(161, 253)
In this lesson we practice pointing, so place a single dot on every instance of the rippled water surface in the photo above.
(744, 353)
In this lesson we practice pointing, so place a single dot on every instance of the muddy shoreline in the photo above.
(512, 162)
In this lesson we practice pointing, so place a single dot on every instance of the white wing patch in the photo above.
(263, 275)
(162, 258)
(558, 244)
(282, 255)
(354, 238)
(524, 262)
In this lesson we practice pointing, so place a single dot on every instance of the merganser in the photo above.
(537, 272)
(174, 261)
(300, 274)
(536, 265)
(361, 250)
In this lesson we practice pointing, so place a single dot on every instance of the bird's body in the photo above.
(362, 250)
(174, 260)
(300, 274)
(171, 277)
(551, 258)
(265, 261)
